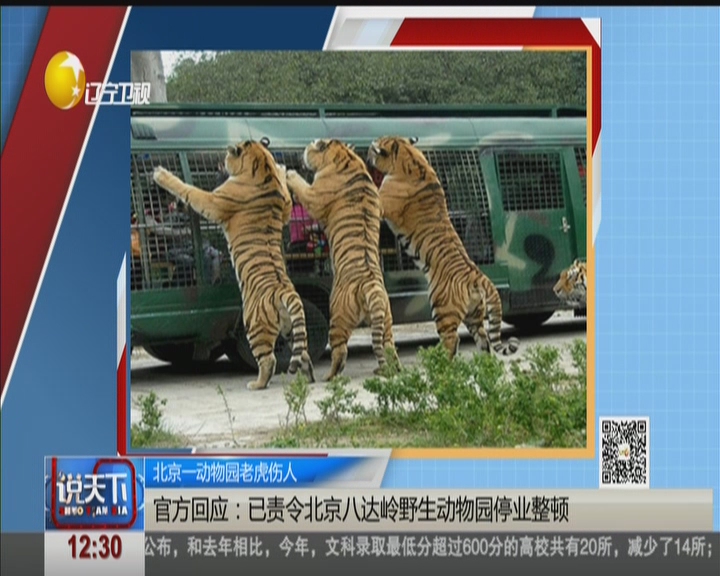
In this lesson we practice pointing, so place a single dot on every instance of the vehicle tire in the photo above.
(528, 321)
(317, 329)
(233, 353)
(181, 355)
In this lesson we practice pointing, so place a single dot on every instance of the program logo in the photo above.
(93, 493)
(65, 86)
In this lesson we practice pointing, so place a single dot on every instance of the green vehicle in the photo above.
(516, 191)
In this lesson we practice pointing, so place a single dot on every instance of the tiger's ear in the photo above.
(351, 146)
(233, 150)
(413, 140)
(265, 141)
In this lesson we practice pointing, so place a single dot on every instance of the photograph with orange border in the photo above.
(519, 180)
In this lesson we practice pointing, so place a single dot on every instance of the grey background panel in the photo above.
(22, 554)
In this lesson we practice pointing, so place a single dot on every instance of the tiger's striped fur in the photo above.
(571, 286)
(252, 206)
(413, 203)
(345, 201)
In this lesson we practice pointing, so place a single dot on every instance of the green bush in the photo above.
(151, 432)
(475, 402)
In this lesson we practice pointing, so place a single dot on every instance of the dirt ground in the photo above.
(197, 411)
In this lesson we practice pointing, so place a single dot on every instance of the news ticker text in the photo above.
(281, 509)
(308, 546)
(346, 510)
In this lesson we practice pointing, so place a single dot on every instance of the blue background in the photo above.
(658, 274)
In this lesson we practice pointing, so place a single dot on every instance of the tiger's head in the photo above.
(324, 152)
(251, 161)
(389, 154)
(571, 287)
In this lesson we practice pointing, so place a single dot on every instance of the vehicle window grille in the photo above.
(461, 177)
(161, 235)
(581, 160)
(207, 172)
(530, 181)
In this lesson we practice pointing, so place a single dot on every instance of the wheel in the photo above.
(182, 354)
(317, 329)
(232, 351)
(526, 321)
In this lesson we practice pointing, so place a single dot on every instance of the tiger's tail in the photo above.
(494, 313)
(299, 337)
(376, 302)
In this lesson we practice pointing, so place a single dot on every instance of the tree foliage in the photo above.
(440, 77)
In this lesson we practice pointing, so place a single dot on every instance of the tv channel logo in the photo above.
(65, 86)
(94, 493)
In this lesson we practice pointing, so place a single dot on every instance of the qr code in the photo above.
(624, 453)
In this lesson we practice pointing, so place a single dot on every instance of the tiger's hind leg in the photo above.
(447, 322)
(338, 336)
(475, 323)
(295, 328)
(266, 371)
(262, 331)
(344, 317)
(377, 310)
(494, 315)
(388, 340)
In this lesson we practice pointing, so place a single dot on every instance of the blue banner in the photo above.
(244, 472)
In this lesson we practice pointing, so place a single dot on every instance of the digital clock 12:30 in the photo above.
(87, 547)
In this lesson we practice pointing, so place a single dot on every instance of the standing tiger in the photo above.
(571, 287)
(252, 206)
(414, 205)
(345, 201)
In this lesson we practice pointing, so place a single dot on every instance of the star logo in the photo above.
(65, 80)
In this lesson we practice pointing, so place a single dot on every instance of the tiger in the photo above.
(344, 199)
(252, 206)
(571, 287)
(414, 206)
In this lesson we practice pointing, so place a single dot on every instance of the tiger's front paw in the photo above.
(292, 177)
(293, 180)
(162, 177)
(282, 173)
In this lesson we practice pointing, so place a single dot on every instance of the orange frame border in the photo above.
(586, 453)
